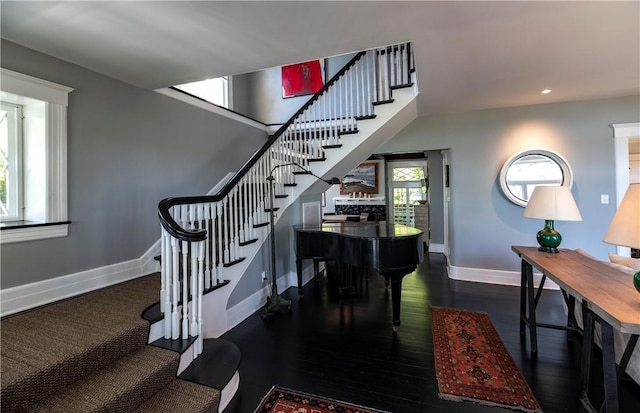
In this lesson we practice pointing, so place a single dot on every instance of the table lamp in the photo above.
(551, 203)
(624, 229)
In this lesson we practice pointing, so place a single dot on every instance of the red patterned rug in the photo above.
(473, 364)
(281, 400)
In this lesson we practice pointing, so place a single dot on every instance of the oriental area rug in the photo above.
(281, 400)
(472, 363)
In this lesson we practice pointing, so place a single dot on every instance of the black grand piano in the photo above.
(393, 250)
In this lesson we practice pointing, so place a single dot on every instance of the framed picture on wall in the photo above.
(363, 178)
(301, 79)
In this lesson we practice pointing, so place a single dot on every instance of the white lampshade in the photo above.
(624, 229)
(552, 203)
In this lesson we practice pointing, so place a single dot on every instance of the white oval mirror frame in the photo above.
(521, 173)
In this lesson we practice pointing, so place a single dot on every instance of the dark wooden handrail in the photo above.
(194, 235)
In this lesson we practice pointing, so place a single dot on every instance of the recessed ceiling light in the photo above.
(544, 92)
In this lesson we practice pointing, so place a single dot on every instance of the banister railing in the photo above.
(202, 235)
(198, 235)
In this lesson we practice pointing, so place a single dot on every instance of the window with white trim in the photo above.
(41, 160)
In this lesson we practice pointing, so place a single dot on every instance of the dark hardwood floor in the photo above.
(346, 351)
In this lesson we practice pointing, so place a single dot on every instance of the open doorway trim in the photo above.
(621, 134)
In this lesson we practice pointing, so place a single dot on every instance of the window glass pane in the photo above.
(415, 173)
(4, 161)
(211, 90)
(10, 157)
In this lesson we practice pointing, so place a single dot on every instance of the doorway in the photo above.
(407, 186)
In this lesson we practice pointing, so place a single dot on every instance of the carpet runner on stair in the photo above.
(90, 354)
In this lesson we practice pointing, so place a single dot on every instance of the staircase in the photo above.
(90, 354)
(212, 240)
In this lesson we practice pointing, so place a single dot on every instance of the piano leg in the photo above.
(395, 278)
(299, 271)
(396, 295)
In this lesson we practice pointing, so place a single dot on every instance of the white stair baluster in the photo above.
(225, 229)
(184, 245)
(195, 252)
(200, 288)
(164, 285)
(208, 266)
(219, 237)
(175, 285)
(236, 224)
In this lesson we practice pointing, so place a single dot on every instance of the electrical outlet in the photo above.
(264, 276)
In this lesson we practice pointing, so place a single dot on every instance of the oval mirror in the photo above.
(528, 169)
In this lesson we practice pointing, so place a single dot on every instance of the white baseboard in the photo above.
(25, 297)
(495, 277)
(229, 391)
(239, 312)
(436, 248)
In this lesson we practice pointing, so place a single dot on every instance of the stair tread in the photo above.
(33, 368)
(182, 396)
(222, 353)
(120, 386)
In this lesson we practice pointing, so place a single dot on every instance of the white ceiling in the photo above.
(469, 55)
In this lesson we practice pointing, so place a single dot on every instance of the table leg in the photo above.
(609, 369)
(611, 373)
(572, 323)
(626, 356)
(533, 333)
(523, 298)
(587, 354)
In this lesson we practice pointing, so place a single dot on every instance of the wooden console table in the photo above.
(608, 297)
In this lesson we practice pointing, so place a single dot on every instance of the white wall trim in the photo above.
(183, 97)
(10, 235)
(148, 260)
(32, 295)
(621, 134)
(495, 277)
(436, 248)
(25, 85)
(239, 312)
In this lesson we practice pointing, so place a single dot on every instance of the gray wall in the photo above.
(128, 148)
(484, 224)
(258, 95)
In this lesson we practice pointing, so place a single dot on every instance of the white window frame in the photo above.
(15, 184)
(52, 98)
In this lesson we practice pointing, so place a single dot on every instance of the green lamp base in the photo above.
(636, 281)
(548, 238)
